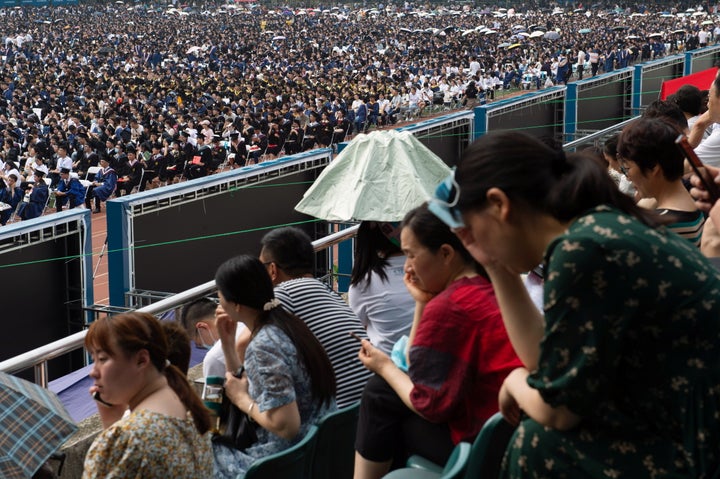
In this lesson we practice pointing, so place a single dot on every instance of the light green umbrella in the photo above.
(377, 177)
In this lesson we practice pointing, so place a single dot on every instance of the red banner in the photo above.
(702, 80)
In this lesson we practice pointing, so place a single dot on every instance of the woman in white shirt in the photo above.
(377, 292)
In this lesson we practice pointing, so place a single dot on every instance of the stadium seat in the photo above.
(334, 455)
(485, 456)
(454, 468)
(292, 463)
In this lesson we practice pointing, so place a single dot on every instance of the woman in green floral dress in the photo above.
(622, 373)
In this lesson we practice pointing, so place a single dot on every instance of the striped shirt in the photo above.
(688, 224)
(330, 319)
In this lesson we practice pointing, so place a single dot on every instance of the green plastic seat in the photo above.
(292, 463)
(454, 468)
(489, 448)
(334, 456)
(486, 453)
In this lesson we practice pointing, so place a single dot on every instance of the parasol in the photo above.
(377, 177)
(551, 35)
(34, 423)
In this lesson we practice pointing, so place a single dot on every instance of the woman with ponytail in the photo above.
(621, 372)
(162, 431)
(287, 382)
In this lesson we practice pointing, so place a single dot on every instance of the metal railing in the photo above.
(596, 137)
(39, 357)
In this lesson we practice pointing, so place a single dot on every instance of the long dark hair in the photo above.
(244, 280)
(432, 233)
(544, 179)
(129, 333)
(371, 250)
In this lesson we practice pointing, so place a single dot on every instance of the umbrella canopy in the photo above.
(537, 34)
(377, 177)
(514, 45)
(584, 30)
(551, 35)
(707, 22)
(503, 44)
(34, 423)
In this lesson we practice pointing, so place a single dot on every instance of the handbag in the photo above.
(237, 430)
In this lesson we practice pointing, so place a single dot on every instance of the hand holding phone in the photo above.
(96, 396)
(708, 183)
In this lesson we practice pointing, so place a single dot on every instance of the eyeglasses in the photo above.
(623, 165)
(444, 203)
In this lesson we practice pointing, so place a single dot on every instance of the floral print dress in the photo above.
(632, 346)
(276, 377)
(150, 445)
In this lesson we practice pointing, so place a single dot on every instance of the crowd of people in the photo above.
(614, 372)
(576, 372)
(171, 94)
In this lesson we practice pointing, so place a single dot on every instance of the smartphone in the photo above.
(96, 396)
(355, 336)
(710, 186)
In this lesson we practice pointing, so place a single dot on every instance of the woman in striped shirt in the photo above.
(649, 157)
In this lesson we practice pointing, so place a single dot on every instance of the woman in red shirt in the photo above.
(458, 356)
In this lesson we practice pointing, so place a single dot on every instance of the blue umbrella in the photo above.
(551, 35)
(584, 30)
(34, 424)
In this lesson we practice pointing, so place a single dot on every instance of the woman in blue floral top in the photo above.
(288, 385)
(622, 374)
